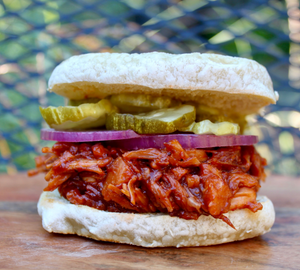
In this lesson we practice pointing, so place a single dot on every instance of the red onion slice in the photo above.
(186, 141)
(86, 136)
(129, 140)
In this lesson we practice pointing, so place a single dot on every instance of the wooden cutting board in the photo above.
(24, 244)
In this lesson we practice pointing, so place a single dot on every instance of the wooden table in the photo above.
(25, 245)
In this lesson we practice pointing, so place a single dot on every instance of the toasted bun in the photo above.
(227, 83)
(151, 230)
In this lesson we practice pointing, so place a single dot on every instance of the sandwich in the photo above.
(150, 149)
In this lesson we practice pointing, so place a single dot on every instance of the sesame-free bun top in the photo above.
(231, 84)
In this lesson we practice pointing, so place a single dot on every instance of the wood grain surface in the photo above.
(25, 245)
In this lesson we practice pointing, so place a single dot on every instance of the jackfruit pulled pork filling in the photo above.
(181, 182)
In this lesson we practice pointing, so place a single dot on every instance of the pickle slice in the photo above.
(207, 127)
(207, 113)
(84, 116)
(159, 121)
(73, 102)
(133, 103)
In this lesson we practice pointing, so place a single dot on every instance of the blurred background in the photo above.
(35, 36)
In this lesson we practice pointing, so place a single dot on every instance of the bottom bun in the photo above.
(151, 230)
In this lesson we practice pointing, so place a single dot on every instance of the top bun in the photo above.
(231, 84)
